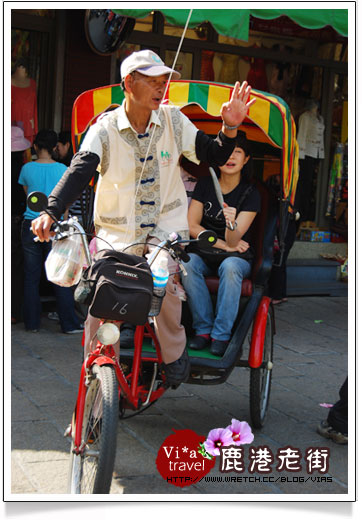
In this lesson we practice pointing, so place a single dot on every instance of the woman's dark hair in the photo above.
(46, 140)
(65, 137)
(243, 143)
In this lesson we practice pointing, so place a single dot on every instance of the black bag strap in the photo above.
(243, 197)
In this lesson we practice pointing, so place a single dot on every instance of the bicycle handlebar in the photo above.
(37, 201)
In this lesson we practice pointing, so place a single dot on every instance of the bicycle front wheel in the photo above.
(91, 470)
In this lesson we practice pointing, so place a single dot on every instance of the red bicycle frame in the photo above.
(134, 394)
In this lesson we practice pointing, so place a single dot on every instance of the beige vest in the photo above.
(130, 207)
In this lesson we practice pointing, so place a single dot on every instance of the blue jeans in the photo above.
(35, 254)
(231, 272)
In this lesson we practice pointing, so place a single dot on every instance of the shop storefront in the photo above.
(306, 67)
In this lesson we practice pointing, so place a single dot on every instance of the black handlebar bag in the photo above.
(117, 286)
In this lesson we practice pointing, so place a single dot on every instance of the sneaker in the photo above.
(126, 338)
(199, 342)
(74, 331)
(218, 347)
(178, 371)
(53, 316)
(32, 330)
(325, 430)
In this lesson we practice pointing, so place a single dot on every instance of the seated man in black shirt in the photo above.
(231, 223)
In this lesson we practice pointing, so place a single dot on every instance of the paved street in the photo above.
(310, 364)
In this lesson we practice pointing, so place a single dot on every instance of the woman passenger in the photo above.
(232, 225)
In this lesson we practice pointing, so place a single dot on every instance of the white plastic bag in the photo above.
(65, 261)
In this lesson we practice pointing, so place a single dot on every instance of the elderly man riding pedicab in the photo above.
(136, 149)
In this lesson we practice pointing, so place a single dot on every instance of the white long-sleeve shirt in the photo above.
(310, 135)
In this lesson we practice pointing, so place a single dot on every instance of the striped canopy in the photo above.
(269, 119)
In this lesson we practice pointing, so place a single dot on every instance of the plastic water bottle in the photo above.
(160, 276)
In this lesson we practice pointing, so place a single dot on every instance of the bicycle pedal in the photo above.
(68, 431)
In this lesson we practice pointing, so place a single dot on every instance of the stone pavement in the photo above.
(310, 364)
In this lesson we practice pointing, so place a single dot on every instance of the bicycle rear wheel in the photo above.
(260, 378)
(91, 471)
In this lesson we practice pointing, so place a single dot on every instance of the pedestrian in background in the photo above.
(42, 175)
(335, 427)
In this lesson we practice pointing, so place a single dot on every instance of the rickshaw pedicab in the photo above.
(135, 382)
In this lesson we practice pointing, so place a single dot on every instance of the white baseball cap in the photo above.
(148, 63)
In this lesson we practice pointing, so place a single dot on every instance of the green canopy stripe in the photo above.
(199, 93)
(235, 22)
(117, 95)
(133, 13)
(275, 129)
(309, 18)
(228, 22)
(340, 21)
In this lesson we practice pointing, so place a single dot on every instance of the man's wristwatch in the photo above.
(231, 226)
(230, 127)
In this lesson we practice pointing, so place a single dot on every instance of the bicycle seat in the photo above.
(212, 283)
